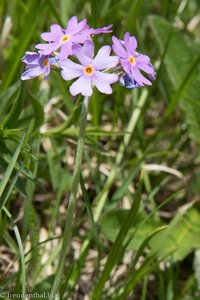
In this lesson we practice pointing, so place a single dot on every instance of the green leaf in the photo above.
(197, 267)
(38, 112)
(10, 167)
(7, 98)
(133, 274)
(112, 221)
(114, 252)
(181, 61)
(15, 111)
(22, 271)
(182, 236)
(43, 287)
(5, 196)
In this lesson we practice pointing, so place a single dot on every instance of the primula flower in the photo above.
(37, 64)
(64, 39)
(131, 61)
(90, 70)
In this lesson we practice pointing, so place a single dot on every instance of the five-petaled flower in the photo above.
(64, 39)
(37, 64)
(131, 61)
(90, 71)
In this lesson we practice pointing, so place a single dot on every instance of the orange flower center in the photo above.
(45, 62)
(88, 70)
(132, 60)
(65, 38)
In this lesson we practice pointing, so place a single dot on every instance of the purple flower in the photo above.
(64, 39)
(37, 64)
(131, 61)
(128, 81)
(90, 70)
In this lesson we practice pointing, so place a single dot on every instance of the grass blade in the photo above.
(10, 168)
(113, 256)
(21, 252)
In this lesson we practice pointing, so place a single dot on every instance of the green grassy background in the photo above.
(134, 236)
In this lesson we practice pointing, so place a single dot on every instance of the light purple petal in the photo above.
(68, 74)
(80, 38)
(102, 81)
(130, 43)
(48, 48)
(88, 49)
(30, 58)
(142, 59)
(152, 74)
(78, 51)
(28, 67)
(126, 65)
(31, 73)
(71, 24)
(67, 63)
(141, 80)
(82, 86)
(74, 27)
(107, 77)
(46, 71)
(103, 60)
(118, 48)
(145, 68)
(81, 26)
(55, 34)
(70, 70)
(106, 29)
(49, 37)
(66, 50)
(56, 29)
(107, 63)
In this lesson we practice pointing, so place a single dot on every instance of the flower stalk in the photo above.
(72, 199)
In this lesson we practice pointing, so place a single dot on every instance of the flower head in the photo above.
(90, 71)
(37, 64)
(64, 39)
(131, 61)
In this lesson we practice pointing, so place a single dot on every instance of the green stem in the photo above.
(72, 199)
(101, 198)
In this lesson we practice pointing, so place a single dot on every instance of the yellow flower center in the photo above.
(132, 60)
(65, 38)
(45, 62)
(88, 70)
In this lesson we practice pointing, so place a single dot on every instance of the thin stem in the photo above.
(101, 198)
(72, 199)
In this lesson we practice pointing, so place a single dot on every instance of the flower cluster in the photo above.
(101, 70)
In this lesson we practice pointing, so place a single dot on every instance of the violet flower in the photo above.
(37, 64)
(129, 82)
(90, 70)
(131, 61)
(64, 39)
